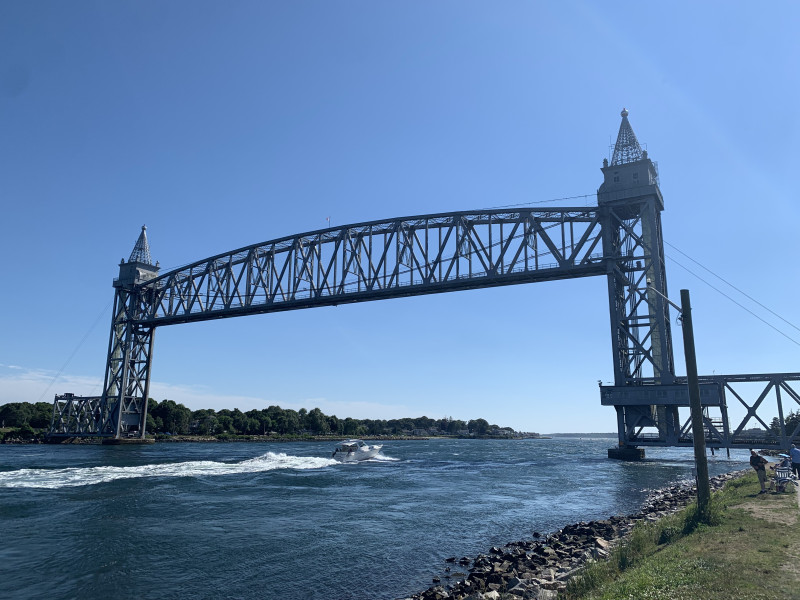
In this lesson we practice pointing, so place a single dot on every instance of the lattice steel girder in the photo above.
(380, 259)
(640, 325)
(76, 416)
(127, 380)
(665, 395)
(766, 406)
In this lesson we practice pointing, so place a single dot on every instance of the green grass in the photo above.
(750, 551)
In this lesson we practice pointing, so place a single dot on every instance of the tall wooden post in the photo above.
(698, 431)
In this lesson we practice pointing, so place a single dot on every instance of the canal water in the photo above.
(250, 520)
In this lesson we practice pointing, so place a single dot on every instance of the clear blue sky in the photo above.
(221, 124)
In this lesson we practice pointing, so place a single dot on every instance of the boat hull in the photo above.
(357, 455)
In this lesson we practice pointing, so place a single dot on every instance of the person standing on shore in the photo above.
(759, 464)
(795, 454)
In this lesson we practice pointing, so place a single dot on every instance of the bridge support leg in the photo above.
(623, 451)
(640, 326)
(626, 453)
(127, 382)
(120, 414)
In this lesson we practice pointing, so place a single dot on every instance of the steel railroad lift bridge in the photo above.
(620, 238)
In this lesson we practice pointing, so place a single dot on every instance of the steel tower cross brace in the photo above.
(127, 379)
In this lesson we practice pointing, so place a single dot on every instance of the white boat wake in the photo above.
(72, 477)
(381, 458)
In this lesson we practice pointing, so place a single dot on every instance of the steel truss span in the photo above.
(408, 256)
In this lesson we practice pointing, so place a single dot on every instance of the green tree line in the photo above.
(791, 421)
(25, 417)
(170, 417)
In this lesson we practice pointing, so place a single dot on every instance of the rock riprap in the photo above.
(537, 569)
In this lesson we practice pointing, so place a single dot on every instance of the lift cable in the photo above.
(733, 286)
(592, 195)
(739, 304)
(75, 351)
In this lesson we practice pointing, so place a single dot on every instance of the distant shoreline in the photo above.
(330, 438)
(177, 439)
(584, 435)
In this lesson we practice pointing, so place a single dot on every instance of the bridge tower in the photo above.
(130, 353)
(630, 204)
(120, 414)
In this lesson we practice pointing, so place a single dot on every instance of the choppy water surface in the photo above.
(284, 520)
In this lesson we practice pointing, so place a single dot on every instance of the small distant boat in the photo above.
(355, 450)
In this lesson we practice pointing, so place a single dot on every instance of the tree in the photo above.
(792, 420)
(333, 424)
(154, 425)
(175, 417)
(204, 422)
(16, 414)
(317, 422)
(455, 425)
(225, 423)
(260, 421)
(42, 415)
(284, 422)
(478, 426)
(424, 423)
(21, 414)
(351, 427)
(240, 421)
(293, 421)
(26, 432)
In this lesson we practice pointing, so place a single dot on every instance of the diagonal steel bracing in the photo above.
(382, 259)
(765, 401)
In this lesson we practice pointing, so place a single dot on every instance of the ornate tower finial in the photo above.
(627, 149)
(141, 251)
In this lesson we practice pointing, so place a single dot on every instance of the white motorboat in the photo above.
(355, 450)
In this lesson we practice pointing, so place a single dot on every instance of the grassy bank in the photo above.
(751, 551)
